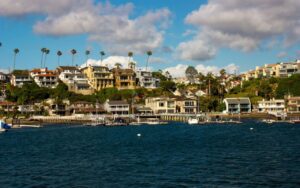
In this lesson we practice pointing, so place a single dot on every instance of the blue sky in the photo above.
(206, 34)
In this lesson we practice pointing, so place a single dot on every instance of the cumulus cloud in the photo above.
(110, 61)
(242, 25)
(103, 22)
(179, 70)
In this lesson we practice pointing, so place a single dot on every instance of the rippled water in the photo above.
(176, 155)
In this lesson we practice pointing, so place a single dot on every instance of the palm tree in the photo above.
(130, 54)
(16, 51)
(73, 52)
(118, 65)
(43, 51)
(47, 51)
(59, 53)
(149, 53)
(102, 53)
(87, 53)
(131, 65)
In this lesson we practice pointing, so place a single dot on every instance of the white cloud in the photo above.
(179, 70)
(103, 22)
(110, 61)
(243, 25)
(195, 50)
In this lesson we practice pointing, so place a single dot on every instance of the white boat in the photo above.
(193, 121)
(154, 121)
(269, 121)
(30, 126)
(96, 122)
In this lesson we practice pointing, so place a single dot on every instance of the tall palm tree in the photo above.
(87, 53)
(59, 53)
(73, 52)
(16, 51)
(149, 53)
(43, 52)
(130, 54)
(102, 53)
(47, 51)
(118, 65)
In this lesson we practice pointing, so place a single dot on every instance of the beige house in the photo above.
(272, 105)
(99, 77)
(74, 79)
(293, 104)
(186, 105)
(161, 105)
(124, 78)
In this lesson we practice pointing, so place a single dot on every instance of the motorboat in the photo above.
(4, 126)
(193, 121)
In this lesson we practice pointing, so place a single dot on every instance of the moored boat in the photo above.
(193, 121)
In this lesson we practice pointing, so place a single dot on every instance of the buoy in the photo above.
(139, 135)
(251, 128)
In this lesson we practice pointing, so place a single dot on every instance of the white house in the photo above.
(146, 80)
(272, 105)
(117, 107)
(44, 77)
(237, 105)
(75, 80)
(20, 77)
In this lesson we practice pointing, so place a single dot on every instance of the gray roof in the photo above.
(238, 100)
(117, 103)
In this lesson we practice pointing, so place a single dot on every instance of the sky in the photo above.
(209, 35)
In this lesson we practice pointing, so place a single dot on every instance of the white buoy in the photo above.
(139, 135)
(251, 128)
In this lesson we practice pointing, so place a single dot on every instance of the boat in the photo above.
(269, 121)
(96, 122)
(4, 126)
(138, 122)
(154, 121)
(193, 121)
(117, 122)
(30, 126)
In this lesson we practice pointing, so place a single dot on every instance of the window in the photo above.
(161, 104)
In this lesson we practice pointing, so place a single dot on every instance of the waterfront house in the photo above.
(20, 77)
(237, 105)
(55, 107)
(84, 107)
(74, 79)
(141, 109)
(293, 104)
(44, 77)
(99, 77)
(3, 77)
(271, 106)
(117, 107)
(6, 106)
(124, 78)
(161, 105)
(146, 80)
(186, 105)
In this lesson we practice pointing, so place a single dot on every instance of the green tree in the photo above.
(87, 53)
(47, 51)
(169, 86)
(16, 51)
(191, 74)
(149, 53)
(102, 53)
(59, 53)
(73, 52)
